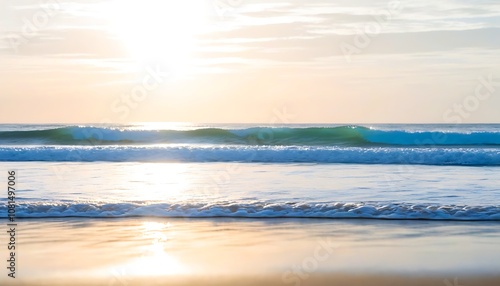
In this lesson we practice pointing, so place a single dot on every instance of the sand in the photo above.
(166, 251)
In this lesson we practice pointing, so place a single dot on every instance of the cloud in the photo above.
(76, 41)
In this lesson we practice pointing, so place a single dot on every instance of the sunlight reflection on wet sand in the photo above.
(131, 248)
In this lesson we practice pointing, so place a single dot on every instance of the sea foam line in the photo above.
(265, 154)
(359, 210)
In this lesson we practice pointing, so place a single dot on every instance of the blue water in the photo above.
(433, 172)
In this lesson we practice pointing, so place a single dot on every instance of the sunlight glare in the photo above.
(160, 31)
(156, 261)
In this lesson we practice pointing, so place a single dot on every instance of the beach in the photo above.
(217, 210)
(240, 142)
(157, 251)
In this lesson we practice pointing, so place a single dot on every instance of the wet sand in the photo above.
(166, 251)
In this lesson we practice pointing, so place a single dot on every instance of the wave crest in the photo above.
(260, 210)
(264, 154)
(355, 136)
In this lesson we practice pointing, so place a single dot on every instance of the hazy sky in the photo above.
(344, 61)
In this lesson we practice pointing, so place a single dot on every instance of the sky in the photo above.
(244, 61)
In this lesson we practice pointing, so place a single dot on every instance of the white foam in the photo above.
(259, 210)
(269, 154)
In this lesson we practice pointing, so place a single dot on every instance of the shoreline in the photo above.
(229, 251)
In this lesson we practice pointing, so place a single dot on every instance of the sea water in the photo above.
(409, 189)
(390, 171)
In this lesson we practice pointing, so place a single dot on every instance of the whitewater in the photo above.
(395, 172)
(426, 145)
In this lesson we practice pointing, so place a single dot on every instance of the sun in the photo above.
(158, 31)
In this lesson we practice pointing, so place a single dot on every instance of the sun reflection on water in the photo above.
(156, 259)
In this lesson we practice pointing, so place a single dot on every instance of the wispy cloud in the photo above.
(106, 43)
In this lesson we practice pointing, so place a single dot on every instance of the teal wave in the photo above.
(356, 136)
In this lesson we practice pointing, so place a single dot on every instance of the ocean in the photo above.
(252, 199)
